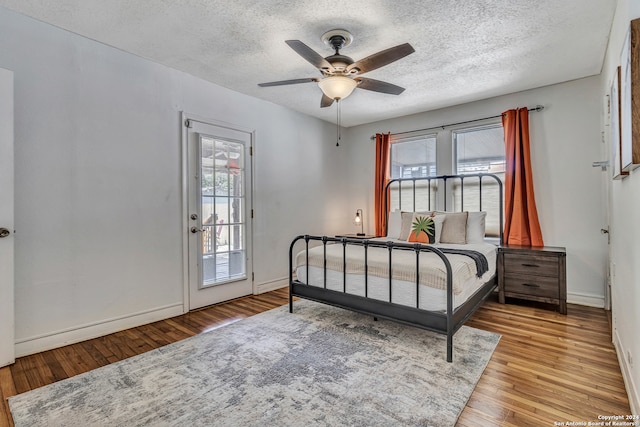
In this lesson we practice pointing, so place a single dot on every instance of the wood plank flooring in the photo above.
(547, 367)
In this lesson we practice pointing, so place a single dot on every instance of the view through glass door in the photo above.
(219, 214)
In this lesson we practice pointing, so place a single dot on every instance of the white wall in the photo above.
(625, 232)
(565, 140)
(98, 182)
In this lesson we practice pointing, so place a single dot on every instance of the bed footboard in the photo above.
(434, 321)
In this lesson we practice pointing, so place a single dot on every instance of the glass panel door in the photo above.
(218, 179)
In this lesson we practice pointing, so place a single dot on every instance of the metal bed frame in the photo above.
(445, 323)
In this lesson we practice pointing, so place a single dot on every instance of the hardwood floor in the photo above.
(547, 367)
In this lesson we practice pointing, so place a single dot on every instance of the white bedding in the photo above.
(432, 284)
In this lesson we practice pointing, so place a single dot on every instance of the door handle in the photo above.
(4, 232)
(195, 230)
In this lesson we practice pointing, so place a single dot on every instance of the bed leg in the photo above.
(290, 302)
(449, 347)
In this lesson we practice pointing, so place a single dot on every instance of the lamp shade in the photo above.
(337, 87)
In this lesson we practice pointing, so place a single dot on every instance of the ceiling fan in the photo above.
(341, 75)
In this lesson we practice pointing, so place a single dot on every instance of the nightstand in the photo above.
(533, 273)
(355, 236)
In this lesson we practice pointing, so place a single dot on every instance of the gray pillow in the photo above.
(454, 228)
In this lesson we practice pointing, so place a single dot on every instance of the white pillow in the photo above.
(438, 221)
(394, 225)
(476, 226)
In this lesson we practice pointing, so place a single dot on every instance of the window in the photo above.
(480, 150)
(413, 157)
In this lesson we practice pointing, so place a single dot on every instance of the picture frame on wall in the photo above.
(614, 109)
(630, 91)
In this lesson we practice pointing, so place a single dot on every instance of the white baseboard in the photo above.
(272, 285)
(632, 391)
(31, 345)
(585, 299)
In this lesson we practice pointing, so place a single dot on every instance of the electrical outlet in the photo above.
(629, 359)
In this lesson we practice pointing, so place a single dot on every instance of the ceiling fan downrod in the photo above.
(337, 42)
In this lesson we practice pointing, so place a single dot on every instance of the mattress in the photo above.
(432, 289)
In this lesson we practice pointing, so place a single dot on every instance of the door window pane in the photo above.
(221, 183)
(236, 238)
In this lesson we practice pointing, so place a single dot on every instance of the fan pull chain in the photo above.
(338, 122)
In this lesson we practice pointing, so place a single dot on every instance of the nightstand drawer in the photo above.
(541, 286)
(531, 265)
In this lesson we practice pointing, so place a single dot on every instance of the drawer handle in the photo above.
(531, 285)
(530, 265)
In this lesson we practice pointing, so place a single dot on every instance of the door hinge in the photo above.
(251, 151)
(251, 213)
(253, 276)
(187, 123)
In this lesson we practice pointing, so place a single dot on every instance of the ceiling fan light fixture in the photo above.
(337, 87)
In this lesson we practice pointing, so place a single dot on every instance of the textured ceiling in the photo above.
(465, 50)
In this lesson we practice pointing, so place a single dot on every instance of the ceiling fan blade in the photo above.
(310, 55)
(288, 82)
(378, 86)
(382, 58)
(326, 101)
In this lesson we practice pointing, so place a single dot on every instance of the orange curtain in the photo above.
(382, 178)
(521, 226)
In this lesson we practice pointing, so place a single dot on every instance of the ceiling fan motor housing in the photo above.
(339, 62)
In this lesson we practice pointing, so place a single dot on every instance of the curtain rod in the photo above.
(534, 109)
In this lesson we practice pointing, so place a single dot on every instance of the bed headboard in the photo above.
(447, 193)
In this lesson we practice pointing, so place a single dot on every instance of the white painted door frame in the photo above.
(7, 276)
(187, 222)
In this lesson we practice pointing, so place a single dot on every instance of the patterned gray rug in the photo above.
(319, 366)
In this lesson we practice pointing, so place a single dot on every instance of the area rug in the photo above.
(320, 365)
